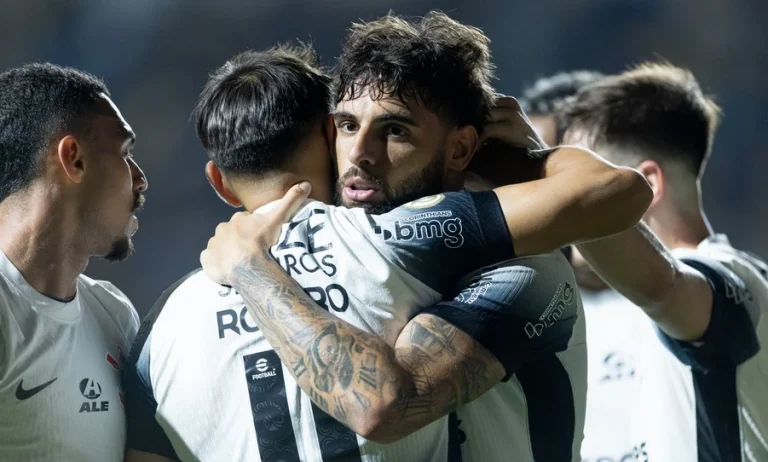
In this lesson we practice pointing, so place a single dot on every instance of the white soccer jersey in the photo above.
(60, 397)
(709, 401)
(203, 384)
(615, 331)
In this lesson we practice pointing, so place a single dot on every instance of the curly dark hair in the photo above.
(255, 109)
(441, 63)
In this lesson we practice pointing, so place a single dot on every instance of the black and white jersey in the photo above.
(528, 313)
(708, 400)
(204, 384)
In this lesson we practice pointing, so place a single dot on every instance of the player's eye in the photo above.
(397, 131)
(346, 126)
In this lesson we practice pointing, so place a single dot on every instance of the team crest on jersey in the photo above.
(425, 202)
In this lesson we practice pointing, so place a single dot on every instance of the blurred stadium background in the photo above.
(155, 56)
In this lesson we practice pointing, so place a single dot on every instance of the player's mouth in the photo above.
(133, 226)
(133, 223)
(360, 190)
(138, 203)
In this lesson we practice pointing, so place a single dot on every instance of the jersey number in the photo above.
(272, 417)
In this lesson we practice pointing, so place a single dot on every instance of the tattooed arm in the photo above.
(381, 393)
(443, 358)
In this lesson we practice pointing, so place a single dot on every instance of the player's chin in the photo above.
(120, 250)
(372, 208)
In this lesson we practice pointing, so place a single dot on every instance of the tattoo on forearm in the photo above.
(339, 412)
(435, 338)
(318, 398)
(368, 371)
(346, 371)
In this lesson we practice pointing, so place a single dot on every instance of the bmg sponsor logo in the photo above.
(562, 299)
(477, 287)
(449, 230)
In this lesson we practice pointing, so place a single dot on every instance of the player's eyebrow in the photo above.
(343, 115)
(130, 140)
(388, 117)
(392, 117)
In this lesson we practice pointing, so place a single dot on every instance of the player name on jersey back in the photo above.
(217, 389)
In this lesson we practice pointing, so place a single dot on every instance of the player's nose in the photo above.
(140, 182)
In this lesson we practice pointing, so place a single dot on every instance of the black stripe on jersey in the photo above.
(144, 433)
(337, 442)
(717, 416)
(551, 414)
(269, 406)
(730, 340)
(456, 438)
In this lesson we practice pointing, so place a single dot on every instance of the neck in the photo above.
(256, 194)
(678, 228)
(38, 235)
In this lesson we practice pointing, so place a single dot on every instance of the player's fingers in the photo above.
(291, 202)
(506, 108)
(513, 134)
(508, 102)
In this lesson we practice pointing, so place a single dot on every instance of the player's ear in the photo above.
(69, 155)
(220, 184)
(653, 173)
(462, 145)
(330, 131)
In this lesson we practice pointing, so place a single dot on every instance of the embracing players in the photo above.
(363, 360)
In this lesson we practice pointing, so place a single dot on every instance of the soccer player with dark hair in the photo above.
(361, 277)
(543, 101)
(401, 134)
(701, 393)
(69, 188)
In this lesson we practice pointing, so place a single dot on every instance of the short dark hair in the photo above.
(37, 102)
(547, 94)
(255, 110)
(443, 64)
(655, 111)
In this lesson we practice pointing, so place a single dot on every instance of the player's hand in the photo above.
(247, 237)
(509, 124)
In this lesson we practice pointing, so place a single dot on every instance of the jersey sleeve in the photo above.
(517, 310)
(438, 239)
(730, 338)
(126, 317)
